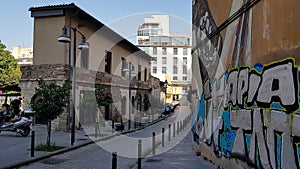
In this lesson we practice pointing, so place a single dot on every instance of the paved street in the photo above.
(99, 155)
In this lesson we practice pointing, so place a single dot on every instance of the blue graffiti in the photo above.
(228, 136)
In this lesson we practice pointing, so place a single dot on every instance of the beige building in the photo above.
(103, 63)
(24, 55)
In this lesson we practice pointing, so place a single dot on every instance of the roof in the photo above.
(84, 15)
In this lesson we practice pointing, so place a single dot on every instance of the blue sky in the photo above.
(123, 16)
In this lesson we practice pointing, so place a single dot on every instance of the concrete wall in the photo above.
(246, 77)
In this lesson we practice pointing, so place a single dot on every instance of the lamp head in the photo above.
(64, 38)
(83, 44)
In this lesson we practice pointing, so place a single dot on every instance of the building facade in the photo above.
(170, 53)
(103, 63)
(24, 55)
(246, 82)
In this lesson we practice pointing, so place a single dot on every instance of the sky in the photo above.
(123, 16)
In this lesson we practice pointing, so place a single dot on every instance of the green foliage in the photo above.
(10, 72)
(102, 95)
(44, 147)
(52, 99)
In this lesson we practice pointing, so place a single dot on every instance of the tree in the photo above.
(51, 101)
(103, 97)
(10, 72)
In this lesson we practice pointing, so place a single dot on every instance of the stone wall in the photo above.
(85, 79)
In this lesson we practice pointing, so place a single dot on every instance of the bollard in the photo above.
(96, 130)
(114, 160)
(163, 137)
(174, 127)
(32, 143)
(153, 143)
(122, 125)
(112, 126)
(139, 154)
(180, 126)
(177, 127)
(169, 138)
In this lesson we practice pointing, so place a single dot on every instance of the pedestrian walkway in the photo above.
(16, 149)
(181, 156)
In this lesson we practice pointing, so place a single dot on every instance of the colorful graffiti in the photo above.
(259, 118)
(246, 112)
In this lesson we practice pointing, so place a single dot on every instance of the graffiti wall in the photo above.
(244, 107)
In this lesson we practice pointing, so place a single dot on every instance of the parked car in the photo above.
(169, 108)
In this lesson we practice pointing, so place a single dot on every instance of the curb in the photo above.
(67, 149)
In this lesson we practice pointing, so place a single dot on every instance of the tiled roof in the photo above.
(60, 6)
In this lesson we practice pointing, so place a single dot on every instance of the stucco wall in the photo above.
(246, 108)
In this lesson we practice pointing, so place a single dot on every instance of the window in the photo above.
(154, 50)
(139, 73)
(184, 78)
(184, 60)
(184, 70)
(23, 55)
(175, 51)
(154, 70)
(164, 51)
(108, 62)
(175, 60)
(164, 70)
(154, 40)
(175, 70)
(185, 51)
(164, 60)
(84, 58)
(164, 40)
(123, 66)
(154, 60)
(175, 78)
(145, 74)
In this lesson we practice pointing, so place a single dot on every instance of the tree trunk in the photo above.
(49, 132)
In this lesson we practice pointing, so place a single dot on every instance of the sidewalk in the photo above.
(16, 149)
(181, 156)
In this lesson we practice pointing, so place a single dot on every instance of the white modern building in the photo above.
(24, 55)
(171, 54)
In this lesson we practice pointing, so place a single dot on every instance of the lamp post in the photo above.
(129, 69)
(166, 86)
(64, 38)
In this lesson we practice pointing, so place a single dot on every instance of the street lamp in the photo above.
(129, 68)
(64, 38)
(166, 86)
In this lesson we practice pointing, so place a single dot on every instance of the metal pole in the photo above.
(73, 88)
(163, 137)
(177, 127)
(174, 129)
(153, 143)
(139, 154)
(69, 83)
(169, 138)
(32, 143)
(130, 101)
(180, 126)
(114, 160)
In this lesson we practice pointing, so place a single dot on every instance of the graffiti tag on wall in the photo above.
(258, 115)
